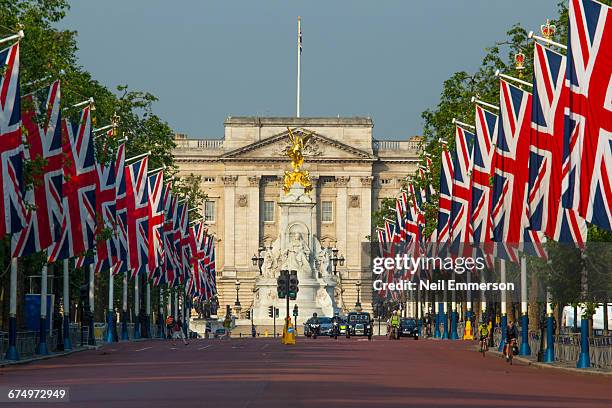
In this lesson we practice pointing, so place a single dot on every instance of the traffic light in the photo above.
(293, 285)
(248, 315)
(281, 285)
(271, 311)
(276, 311)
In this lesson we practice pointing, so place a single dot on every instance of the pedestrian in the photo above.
(169, 326)
(177, 332)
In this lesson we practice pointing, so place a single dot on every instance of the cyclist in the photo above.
(511, 335)
(336, 321)
(483, 332)
(395, 324)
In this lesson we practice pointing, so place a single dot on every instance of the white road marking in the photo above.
(265, 345)
(204, 347)
(142, 349)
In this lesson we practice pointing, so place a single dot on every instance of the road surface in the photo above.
(314, 373)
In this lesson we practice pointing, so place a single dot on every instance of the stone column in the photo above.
(366, 229)
(341, 213)
(229, 197)
(254, 217)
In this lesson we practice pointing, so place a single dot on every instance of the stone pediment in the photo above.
(318, 148)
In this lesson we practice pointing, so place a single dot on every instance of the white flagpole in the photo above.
(17, 36)
(299, 63)
(111, 312)
(66, 289)
(148, 308)
(137, 307)
(12, 353)
(124, 332)
(42, 344)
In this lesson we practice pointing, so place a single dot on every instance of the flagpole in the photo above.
(11, 353)
(148, 310)
(124, 330)
(525, 350)
(504, 316)
(137, 306)
(299, 63)
(17, 36)
(110, 329)
(92, 337)
(546, 40)
(66, 289)
(483, 103)
(42, 342)
(511, 78)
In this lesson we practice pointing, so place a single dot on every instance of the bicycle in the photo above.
(484, 344)
(509, 350)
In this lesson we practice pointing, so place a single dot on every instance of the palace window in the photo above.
(327, 211)
(268, 211)
(385, 181)
(210, 211)
(209, 179)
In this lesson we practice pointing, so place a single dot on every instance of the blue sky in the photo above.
(209, 59)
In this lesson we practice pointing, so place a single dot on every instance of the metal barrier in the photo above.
(600, 351)
(100, 332)
(130, 327)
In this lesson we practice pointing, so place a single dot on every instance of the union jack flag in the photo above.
(42, 122)
(106, 195)
(197, 233)
(509, 166)
(13, 213)
(184, 242)
(180, 223)
(480, 217)
(462, 194)
(121, 237)
(445, 199)
(546, 152)
(156, 221)
(588, 127)
(79, 190)
(170, 267)
(211, 272)
(137, 204)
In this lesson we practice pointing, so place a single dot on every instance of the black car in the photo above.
(359, 324)
(409, 328)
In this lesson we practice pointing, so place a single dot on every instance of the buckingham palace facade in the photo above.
(242, 175)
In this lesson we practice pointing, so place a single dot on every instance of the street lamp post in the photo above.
(237, 303)
(358, 303)
(258, 258)
(335, 259)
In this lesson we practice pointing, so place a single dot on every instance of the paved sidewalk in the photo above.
(6, 363)
(557, 365)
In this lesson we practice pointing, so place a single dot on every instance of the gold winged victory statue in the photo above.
(294, 151)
